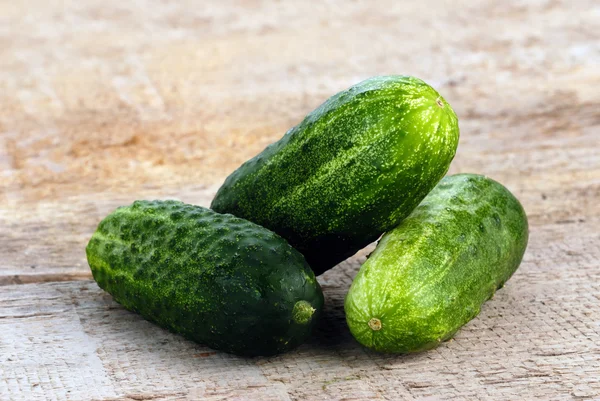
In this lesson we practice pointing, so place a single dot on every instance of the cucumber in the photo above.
(216, 279)
(353, 169)
(431, 274)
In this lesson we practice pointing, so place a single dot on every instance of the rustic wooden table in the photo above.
(104, 102)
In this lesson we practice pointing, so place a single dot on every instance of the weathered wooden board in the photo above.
(104, 102)
(537, 338)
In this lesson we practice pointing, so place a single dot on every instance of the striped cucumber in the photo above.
(353, 169)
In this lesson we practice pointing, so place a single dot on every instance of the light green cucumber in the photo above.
(431, 274)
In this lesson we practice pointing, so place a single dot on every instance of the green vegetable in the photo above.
(431, 274)
(216, 279)
(353, 169)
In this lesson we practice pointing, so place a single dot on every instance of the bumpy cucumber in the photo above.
(431, 274)
(216, 279)
(353, 169)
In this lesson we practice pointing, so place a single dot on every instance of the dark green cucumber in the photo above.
(353, 169)
(431, 274)
(216, 279)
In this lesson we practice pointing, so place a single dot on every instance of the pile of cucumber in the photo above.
(369, 161)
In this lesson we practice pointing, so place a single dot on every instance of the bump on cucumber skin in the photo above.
(216, 279)
(430, 275)
(353, 169)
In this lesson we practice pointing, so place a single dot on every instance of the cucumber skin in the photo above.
(430, 275)
(216, 279)
(353, 169)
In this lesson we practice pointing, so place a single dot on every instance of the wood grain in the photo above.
(102, 103)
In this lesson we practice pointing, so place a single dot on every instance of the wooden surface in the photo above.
(105, 102)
